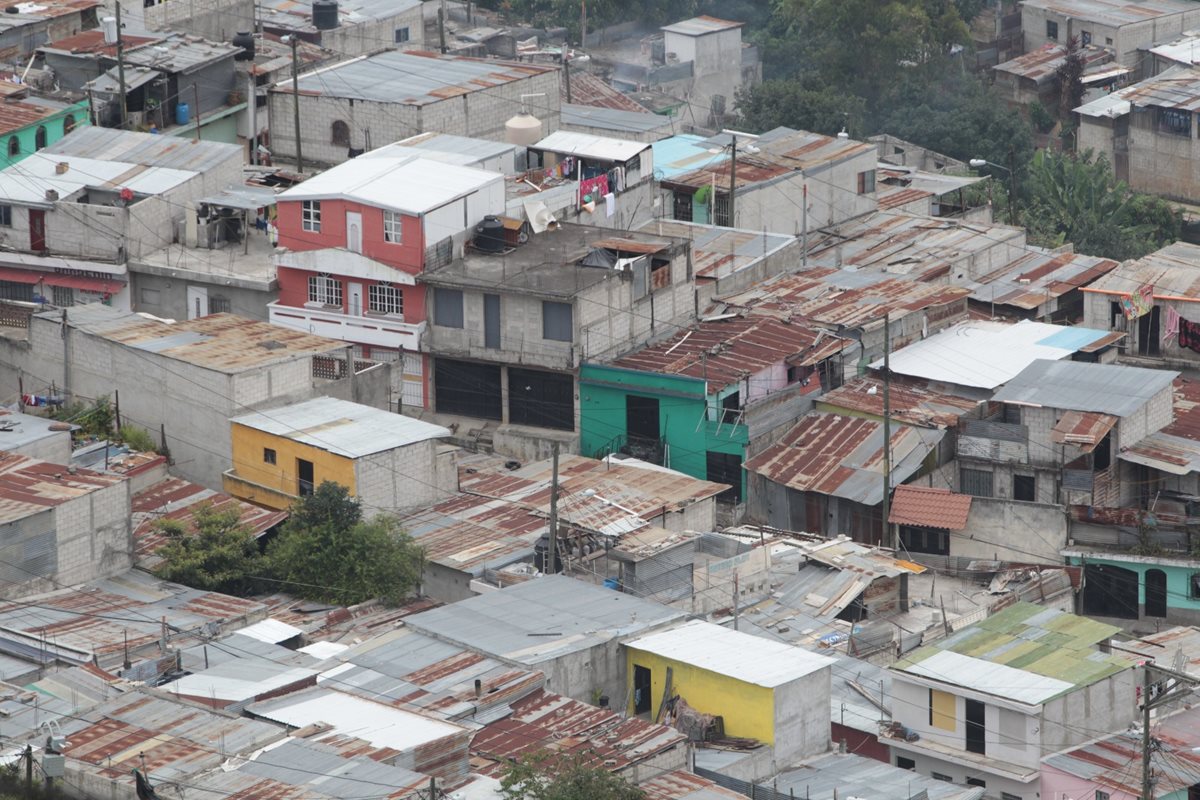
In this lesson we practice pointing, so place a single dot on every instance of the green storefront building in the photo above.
(27, 124)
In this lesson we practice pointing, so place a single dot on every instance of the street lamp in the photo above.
(978, 163)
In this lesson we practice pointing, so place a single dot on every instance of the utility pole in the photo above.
(29, 770)
(120, 69)
(442, 26)
(735, 598)
(566, 65)
(296, 104)
(552, 558)
(1012, 182)
(887, 428)
(1147, 780)
(583, 24)
(732, 180)
(1185, 686)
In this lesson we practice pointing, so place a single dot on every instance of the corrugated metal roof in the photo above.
(1082, 386)
(183, 53)
(29, 486)
(1173, 272)
(1083, 429)
(412, 78)
(297, 14)
(681, 785)
(930, 507)
(93, 42)
(843, 456)
(1177, 87)
(169, 152)
(26, 183)
(239, 680)
(271, 631)
(410, 184)
(566, 615)
(590, 91)
(847, 775)
(682, 153)
(585, 145)
(432, 144)
(986, 354)
(1183, 49)
(1176, 448)
(341, 427)
(698, 26)
(912, 402)
(776, 153)
(1025, 638)
(1112, 12)
(596, 735)
(617, 120)
(724, 352)
(721, 252)
(746, 658)
(1041, 65)
(1035, 278)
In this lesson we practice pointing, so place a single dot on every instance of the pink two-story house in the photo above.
(353, 239)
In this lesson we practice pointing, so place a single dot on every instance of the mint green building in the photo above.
(30, 123)
(1123, 585)
(666, 419)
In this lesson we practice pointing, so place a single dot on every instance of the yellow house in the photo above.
(762, 689)
(386, 460)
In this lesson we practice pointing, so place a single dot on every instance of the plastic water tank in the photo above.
(183, 114)
(489, 235)
(244, 40)
(325, 14)
(523, 129)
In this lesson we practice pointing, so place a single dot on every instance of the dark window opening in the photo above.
(1156, 593)
(905, 763)
(682, 207)
(10, 290)
(491, 321)
(1052, 30)
(1085, 38)
(975, 482)
(866, 182)
(557, 323)
(726, 468)
(448, 307)
(720, 210)
(339, 134)
(1102, 455)
(641, 690)
(980, 782)
(544, 399)
(14, 146)
(975, 727)
(1111, 591)
(1194, 586)
(1148, 332)
(402, 35)
(925, 540)
(731, 408)
(1175, 121)
(473, 390)
(39, 138)
(304, 477)
(68, 124)
(268, 455)
(1024, 488)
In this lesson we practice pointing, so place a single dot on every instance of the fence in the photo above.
(13, 315)
(333, 368)
(758, 792)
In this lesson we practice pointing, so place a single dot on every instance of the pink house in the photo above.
(355, 237)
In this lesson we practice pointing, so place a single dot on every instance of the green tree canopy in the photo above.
(221, 555)
(800, 104)
(327, 552)
(559, 776)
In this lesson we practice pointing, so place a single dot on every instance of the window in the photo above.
(1052, 30)
(401, 35)
(938, 776)
(6, 216)
(62, 296)
(325, 290)
(544, 399)
(980, 782)
(1194, 586)
(1174, 121)
(1024, 488)
(339, 134)
(310, 215)
(905, 763)
(68, 124)
(975, 482)
(1107, 40)
(1102, 795)
(681, 206)
(942, 710)
(976, 714)
(448, 308)
(391, 227)
(1085, 38)
(1007, 796)
(14, 146)
(556, 322)
(11, 290)
(39, 138)
(268, 455)
(720, 210)
(866, 182)
(383, 298)
(219, 305)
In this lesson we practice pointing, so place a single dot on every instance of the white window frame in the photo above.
(310, 215)
(325, 290)
(392, 232)
(385, 298)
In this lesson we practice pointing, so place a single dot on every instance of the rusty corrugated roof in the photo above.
(179, 500)
(1083, 429)
(28, 486)
(911, 401)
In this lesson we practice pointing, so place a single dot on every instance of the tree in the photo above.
(219, 555)
(1077, 199)
(561, 776)
(327, 552)
(796, 104)
(1070, 79)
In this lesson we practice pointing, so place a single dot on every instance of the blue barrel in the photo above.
(183, 114)
(612, 583)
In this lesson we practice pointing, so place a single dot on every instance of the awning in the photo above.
(929, 507)
(1084, 429)
(100, 285)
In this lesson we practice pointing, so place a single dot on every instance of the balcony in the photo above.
(379, 331)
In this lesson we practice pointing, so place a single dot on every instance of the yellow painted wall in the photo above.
(748, 710)
(248, 463)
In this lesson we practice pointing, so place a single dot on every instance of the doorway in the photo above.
(304, 475)
(491, 321)
(641, 690)
(37, 230)
(975, 727)
(354, 231)
(1148, 332)
(356, 296)
(641, 418)
(197, 302)
(1156, 593)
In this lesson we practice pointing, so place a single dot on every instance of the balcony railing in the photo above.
(381, 331)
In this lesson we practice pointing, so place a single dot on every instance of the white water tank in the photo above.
(523, 129)
(110, 29)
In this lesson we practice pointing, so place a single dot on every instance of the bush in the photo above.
(1042, 120)
(138, 439)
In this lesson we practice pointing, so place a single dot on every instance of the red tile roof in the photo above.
(930, 507)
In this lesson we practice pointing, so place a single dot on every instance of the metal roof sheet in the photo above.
(412, 78)
(341, 427)
(912, 402)
(683, 785)
(848, 775)
(239, 680)
(576, 615)
(18, 430)
(617, 120)
(721, 252)
(1082, 386)
(698, 26)
(590, 91)
(29, 486)
(1177, 87)
(1112, 12)
(1034, 278)
(746, 658)
(271, 631)
(179, 53)
(171, 152)
(984, 676)
(586, 145)
(843, 456)
(1173, 272)
(930, 507)
(682, 153)
(26, 183)
(1182, 49)
(432, 144)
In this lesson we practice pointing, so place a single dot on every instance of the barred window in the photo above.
(383, 298)
(325, 290)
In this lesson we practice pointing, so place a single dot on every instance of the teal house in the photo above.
(1122, 585)
(28, 123)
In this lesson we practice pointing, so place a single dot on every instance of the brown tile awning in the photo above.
(929, 507)
(1084, 429)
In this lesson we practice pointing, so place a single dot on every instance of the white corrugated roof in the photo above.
(26, 183)
(747, 658)
(987, 677)
(235, 681)
(379, 724)
(409, 184)
(585, 145)
(325, 650)
(341, 427)
(271, 631)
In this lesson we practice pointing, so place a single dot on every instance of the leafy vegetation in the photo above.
(325, 552)
(138, 439)
(561, 776)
